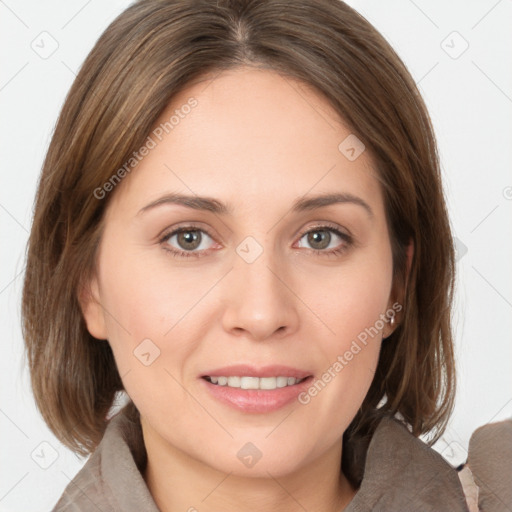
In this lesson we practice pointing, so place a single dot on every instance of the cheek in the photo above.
(153, 314)
(145, 311)
(350, 305)
(146, 297)
(351, 300)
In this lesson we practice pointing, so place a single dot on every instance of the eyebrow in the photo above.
(212, 205)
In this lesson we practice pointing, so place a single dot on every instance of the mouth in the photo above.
(256, 390)
(248, 382)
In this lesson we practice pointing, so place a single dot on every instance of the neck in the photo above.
(179, 482)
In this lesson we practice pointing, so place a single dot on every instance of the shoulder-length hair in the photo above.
(149, 53)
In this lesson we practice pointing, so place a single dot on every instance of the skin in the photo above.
(258, 142)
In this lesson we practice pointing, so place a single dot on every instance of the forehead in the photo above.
(250, 136)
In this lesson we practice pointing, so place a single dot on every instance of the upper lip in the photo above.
(248, 370)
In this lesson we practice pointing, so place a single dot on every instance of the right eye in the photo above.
(188, 240)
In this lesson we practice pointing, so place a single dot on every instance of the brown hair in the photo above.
(149, 53)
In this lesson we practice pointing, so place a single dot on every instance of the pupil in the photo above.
(322, 237)
(188, 239)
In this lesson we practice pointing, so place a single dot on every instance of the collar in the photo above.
(403, 473)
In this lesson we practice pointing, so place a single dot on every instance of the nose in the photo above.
(260, 302)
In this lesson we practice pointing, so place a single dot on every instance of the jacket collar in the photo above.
(403, 473)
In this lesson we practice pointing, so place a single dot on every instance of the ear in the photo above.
(89, 299)
(398, 293)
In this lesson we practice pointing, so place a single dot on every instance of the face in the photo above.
(260, 284)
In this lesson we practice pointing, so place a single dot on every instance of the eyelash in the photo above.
(348, 241)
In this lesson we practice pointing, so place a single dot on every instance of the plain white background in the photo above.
(460, 55)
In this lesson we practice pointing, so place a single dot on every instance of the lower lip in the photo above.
(257, 400)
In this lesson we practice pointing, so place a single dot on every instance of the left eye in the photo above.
(321, 237)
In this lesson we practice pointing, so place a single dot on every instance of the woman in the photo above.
(240, 224)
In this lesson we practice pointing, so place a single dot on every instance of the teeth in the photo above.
(249, 382)
(282, 382)
(245, 382)
(233, 382)
(268, 383)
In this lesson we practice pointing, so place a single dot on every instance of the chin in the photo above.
(258, 457)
